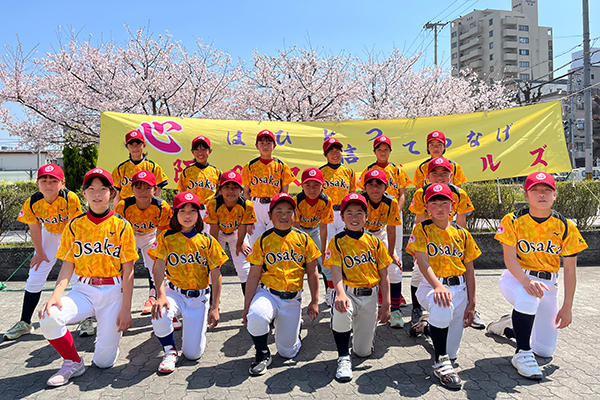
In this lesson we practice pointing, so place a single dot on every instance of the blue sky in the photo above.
(239, 27)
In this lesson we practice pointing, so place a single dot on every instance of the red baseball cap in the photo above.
(202, 139)
(381, 140)
(331, 142)
(134, 135)
(144, 176)
(376, 174)
(539, 177)
(231, 176)
(278, 198)
(312, 174)
(52, 170)
(436, 135)
(265, 133)
(438, 189)
(97, 173)
(439, 162)
(183, 198)
(353, 198)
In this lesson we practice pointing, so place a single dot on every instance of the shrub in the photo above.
(76, 162)
(578, 201)
(488, 210)
(12, 197)
(408, 218)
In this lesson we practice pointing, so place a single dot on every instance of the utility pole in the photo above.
(587, 104)
(433, 26)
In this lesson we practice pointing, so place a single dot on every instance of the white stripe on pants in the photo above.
(242, 267)
(544, 334)
(446, 317)
(37, 278)
(263, 222)
(82, 302)
(194, 312)
(285, 314)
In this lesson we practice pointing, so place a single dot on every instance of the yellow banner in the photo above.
(496, 144)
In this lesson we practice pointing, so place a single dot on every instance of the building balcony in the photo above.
(471, 32)
(509, 56)
(510, 45)
(511, 21)
(471, 43)
(511, 69)
(476, 64)
(477, 53)
(509, 32)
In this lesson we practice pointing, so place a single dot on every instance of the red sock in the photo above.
(330, 284)
(66, 347)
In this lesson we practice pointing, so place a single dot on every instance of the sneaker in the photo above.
(498, 327)
(168, 362)
(415, 315)
(260, 364)
(524, 361)
(444, 370)
(148, 306)
(344, 369)
(478, 322)
(328, 296)
(396, 320)
(86, 328)
(70, 369)
(402, 301)
(19, 329)
(419, 328)
(177, 323)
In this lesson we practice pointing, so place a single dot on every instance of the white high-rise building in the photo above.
(500, 44)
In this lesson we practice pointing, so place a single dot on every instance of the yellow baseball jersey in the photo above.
(360, 255)
(396, 177)
(338, 181)
(266, 180)
(540, 245)
(98, 250)
(420, 178)
(462, 202)
(188, 261)
(383, 214)
(228, 220)
(156, 216)
(310, 216)
(202, 180)
(448, 249)
(124, 172)
(283, 258)
(55, 216)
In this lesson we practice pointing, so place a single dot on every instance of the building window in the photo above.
(491, 45)
(523, 52)
(524, 28)
(492, 68)
(523, 40)
(491, 21)
(453, 45)
(454, 56)
(524, 76)
(491, 57)
(491, 33)
(455, 66)
(592, 75)
(523, 64)
(454, 34)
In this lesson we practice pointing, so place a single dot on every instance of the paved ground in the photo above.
(400, 366)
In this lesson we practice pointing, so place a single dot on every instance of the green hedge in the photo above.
(12, 197)
(489, 210)
(578, 201)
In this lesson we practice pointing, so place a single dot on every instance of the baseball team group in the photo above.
(354, 240)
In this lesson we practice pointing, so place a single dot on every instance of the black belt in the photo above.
(282, 295)
(541, 274)
(228, 234)
(360, 291)
(337, 207)
(191, 293)
(452, 281)
(262, 200)
(374, 230)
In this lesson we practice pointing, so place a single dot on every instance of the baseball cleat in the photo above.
(396, 320)
(168, 362)
(344, 369)
(148, 306)
(478, 322)
(19, 329)
(419, 328)
(260, 364)
(444, 370)
(498, 327)
(524, 361)
(177, 323)
(70, 369)
(415, 315)
(86, 328)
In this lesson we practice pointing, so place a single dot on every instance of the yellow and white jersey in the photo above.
(228, 220)
(396, 177)
(202, 180)
(123, 174)
(338, 181)
(156, 216)
(309, 216)
(383, 214)
(462, 202)
(266, 179)
(420, 178)
(55, 216)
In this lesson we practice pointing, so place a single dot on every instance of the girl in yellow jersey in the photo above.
(47, 212)
(436, 147)
(358, 263)
(280, 257)
(100, 248)
(149, 216)
(445, 254)
(123, 173)
(188, 257)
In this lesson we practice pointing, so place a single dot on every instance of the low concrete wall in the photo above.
(492, 257)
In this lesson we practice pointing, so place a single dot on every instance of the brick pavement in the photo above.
(400, 366)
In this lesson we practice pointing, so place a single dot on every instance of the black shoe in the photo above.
(415, 315)
(260, 364)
